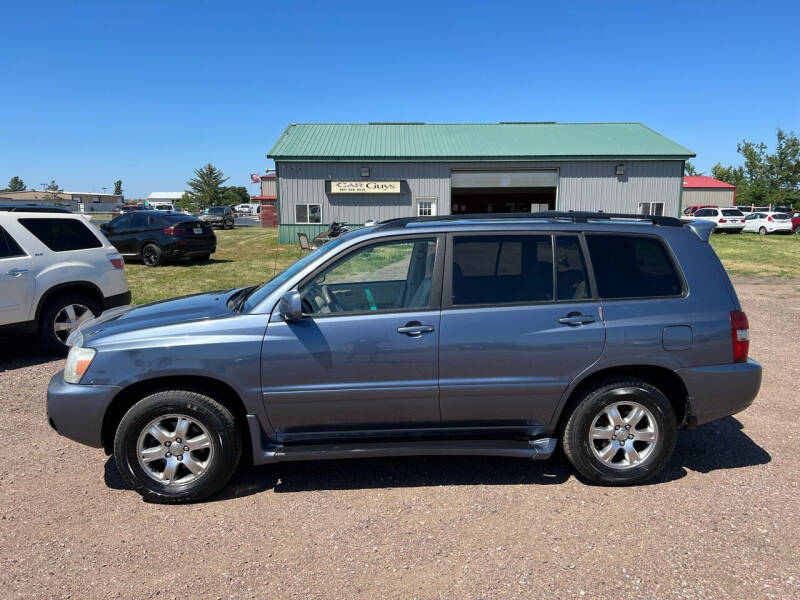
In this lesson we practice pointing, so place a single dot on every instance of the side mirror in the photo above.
(291, 306)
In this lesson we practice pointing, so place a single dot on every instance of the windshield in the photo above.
(265, 289)
(215, 210)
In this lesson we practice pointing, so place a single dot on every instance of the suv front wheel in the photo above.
(177, 446)
(621, 433)
(61, 316)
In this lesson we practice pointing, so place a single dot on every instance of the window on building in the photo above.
(8, 246)
(627, 266)
(651, 208)
(426, 207)
(61, 235)
(306, 214)
(502, 269)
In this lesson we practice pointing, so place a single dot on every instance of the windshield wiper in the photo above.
(236, 302)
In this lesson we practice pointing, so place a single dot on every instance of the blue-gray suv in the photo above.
(489, 334)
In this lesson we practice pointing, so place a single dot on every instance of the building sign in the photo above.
(365, 187)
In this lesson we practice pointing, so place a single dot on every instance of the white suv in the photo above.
(728, 219)
(57, 271)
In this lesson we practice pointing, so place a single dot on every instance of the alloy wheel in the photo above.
(175, 449)
(69, 318)
(623, 435)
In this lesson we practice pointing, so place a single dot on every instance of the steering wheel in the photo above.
(316, 290)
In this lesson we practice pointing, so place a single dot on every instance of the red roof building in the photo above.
(699, 190)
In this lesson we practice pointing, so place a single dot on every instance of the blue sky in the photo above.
(146, 91)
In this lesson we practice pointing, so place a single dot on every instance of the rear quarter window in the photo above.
(629, 266)
(8, 246)
(62, 235)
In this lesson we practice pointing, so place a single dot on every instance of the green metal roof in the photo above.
(482, 141)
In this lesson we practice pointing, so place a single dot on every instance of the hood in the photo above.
(197, 307)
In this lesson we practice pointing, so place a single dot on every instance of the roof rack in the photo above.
(553, 215)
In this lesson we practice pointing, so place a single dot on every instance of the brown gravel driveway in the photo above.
(723, 520)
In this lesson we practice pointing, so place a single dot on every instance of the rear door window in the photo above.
(502, 269)
(61, 235)
(629, 266)
(8, 246)
(732, 212)
(572, 281)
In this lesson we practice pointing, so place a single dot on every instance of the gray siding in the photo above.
(583, 185)
(268, 187)
(718, 196)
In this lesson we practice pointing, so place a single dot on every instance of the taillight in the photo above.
(740, 335)
(769, 219)
(722, 221)
(116, 260)
(174, 230)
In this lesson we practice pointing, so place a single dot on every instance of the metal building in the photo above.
(699, 190)
(376, 171)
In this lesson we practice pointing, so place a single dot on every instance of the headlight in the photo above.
(78, 362)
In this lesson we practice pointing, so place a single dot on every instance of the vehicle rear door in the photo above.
(118, 232)
(365, 356)
(520, 319)
(17, 279)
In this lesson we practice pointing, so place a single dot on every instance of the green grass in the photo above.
(751, 254)
(247, 255)
(244, 256)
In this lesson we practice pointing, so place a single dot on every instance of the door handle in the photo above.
(415, 329)
(575, 319)
(16, 272)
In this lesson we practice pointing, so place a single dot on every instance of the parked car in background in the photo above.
(484, 334)
(156, 237)
(726, 219)
(39, 208)
(219, 216)
(130, 207)
(165, 206)
(242, 209)
(768, 222)
(690, 210)
(795, 215)
(56, 272)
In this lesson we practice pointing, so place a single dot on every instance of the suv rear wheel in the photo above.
(177, 446)
(151, 254)
(61, 316)
(621, 433)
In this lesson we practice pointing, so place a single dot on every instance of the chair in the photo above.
(304, 243)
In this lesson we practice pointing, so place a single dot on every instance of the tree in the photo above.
(690, 169)
(205, 189)
(118, 187)
(235, 194)
(15, 184)
(52, 192)
(765, 178)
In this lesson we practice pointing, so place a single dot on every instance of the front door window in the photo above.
(386, 276)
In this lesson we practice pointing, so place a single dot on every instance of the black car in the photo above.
(156, 237)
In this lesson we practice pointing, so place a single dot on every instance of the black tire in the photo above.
(47, 333)
(576, 441)
(151, 254)
(227, 225)
(226, 445)
(202, 258)
(797, 229)
(762, 231)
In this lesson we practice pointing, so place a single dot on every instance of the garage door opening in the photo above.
(498, 192)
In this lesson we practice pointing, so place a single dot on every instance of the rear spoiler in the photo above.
(702, 228)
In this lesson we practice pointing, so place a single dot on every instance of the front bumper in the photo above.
(76, 411)
(720, 390)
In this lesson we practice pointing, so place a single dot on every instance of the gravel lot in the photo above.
(721, 522)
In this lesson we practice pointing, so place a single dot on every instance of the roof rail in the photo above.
(553, 215)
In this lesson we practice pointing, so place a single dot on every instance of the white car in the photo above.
(242, 209)
(57, 271)
(728, 219)
(768, 222)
